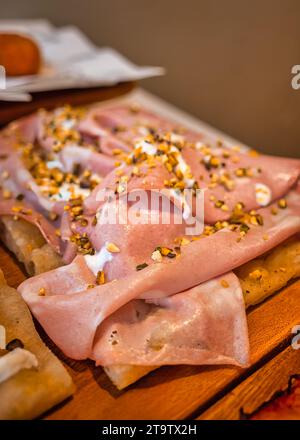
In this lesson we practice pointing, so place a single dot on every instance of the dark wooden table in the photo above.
(182, 391)
(55, 98)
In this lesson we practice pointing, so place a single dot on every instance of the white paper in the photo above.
(70, 61)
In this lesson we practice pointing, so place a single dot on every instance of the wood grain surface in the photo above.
(258, 389)
(182, 391)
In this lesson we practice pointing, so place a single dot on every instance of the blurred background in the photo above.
(228, 61)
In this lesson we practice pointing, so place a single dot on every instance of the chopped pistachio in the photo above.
(224, 283)
(141, 266)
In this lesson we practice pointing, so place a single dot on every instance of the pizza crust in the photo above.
(31, 392)
(266, 275)
(26, 242)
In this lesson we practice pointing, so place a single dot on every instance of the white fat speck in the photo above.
(96, 177)
(184, 168)
(199, 145)
(54, 164)
(189, 183)
(84, 192)
(64, 194)
(263, 194)
(72, 154)
(67, 124)
(15, 361)
(156, 256)
(176, 138)
(2, 337)
(146, 147)
(67, 190)
(144, 131)
(182, 165)
(97, 262)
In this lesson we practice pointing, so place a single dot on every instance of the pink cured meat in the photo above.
(203, 325)
(88, 159)
(119, 127)
(150, 310)
(20, 181)
(136, 241)
(62, 314)
(277, 174)
(73, 320)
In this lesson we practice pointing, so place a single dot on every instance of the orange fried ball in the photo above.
(19, 55)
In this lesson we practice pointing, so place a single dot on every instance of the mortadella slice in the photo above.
(72, 317)
(204, 325)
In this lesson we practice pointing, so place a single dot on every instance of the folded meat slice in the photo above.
(24, 129)
(227, 174)
(134, 234)
(204, 325)
(72, 316)
(68, 308)
(255, 180)
(164, 312)
(104, 139)
(117, 127)
(125, 117)
(73, 155)
(225, 250)
(154, 181)
(17, 179)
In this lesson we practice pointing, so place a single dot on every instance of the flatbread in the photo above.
(266, 275)
(31, 392)
(29, 246)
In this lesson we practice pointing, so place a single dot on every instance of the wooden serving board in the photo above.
(55, 98)
(182, 391)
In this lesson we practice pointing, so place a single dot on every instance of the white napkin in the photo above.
(70, 61)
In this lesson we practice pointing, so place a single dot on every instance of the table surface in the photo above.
(179, 392)
(12, 110)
